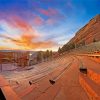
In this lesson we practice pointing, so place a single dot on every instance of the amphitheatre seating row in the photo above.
(27, 90)
(94, 76)
(6, 92)
(90, 82)
(95, 57)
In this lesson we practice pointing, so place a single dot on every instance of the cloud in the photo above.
(49, 12)
(53, 15)
(25, 27)
(38, 20)
(28, 38)
(3, 47)
(51, 21)
(20, 23)
(26, 42)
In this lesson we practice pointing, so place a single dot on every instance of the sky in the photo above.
(43, 24)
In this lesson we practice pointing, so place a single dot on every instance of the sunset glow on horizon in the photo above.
(42, 24)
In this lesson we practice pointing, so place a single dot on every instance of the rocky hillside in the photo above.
(88, 34)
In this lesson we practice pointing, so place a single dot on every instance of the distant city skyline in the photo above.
(42, 24)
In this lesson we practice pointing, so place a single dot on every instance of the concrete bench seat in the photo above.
(91, 88)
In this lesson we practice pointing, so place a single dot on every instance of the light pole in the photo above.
(29, 59)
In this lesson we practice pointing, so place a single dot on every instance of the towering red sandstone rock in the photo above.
(89, 33)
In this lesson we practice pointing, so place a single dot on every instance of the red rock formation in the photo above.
(89, 33)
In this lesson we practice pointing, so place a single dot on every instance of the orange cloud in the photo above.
(26, 42)
(27, 39)
(3, 47)
(26, 27)
(19, 23)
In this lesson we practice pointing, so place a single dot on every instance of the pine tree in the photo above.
(51, 54)
(44, 56)
(59, 50)
(47, 54)
(39, 56)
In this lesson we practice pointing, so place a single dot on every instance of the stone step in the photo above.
(6, 91)
(94, 76)
(27, 90)
(95, 57)
(91, 88)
